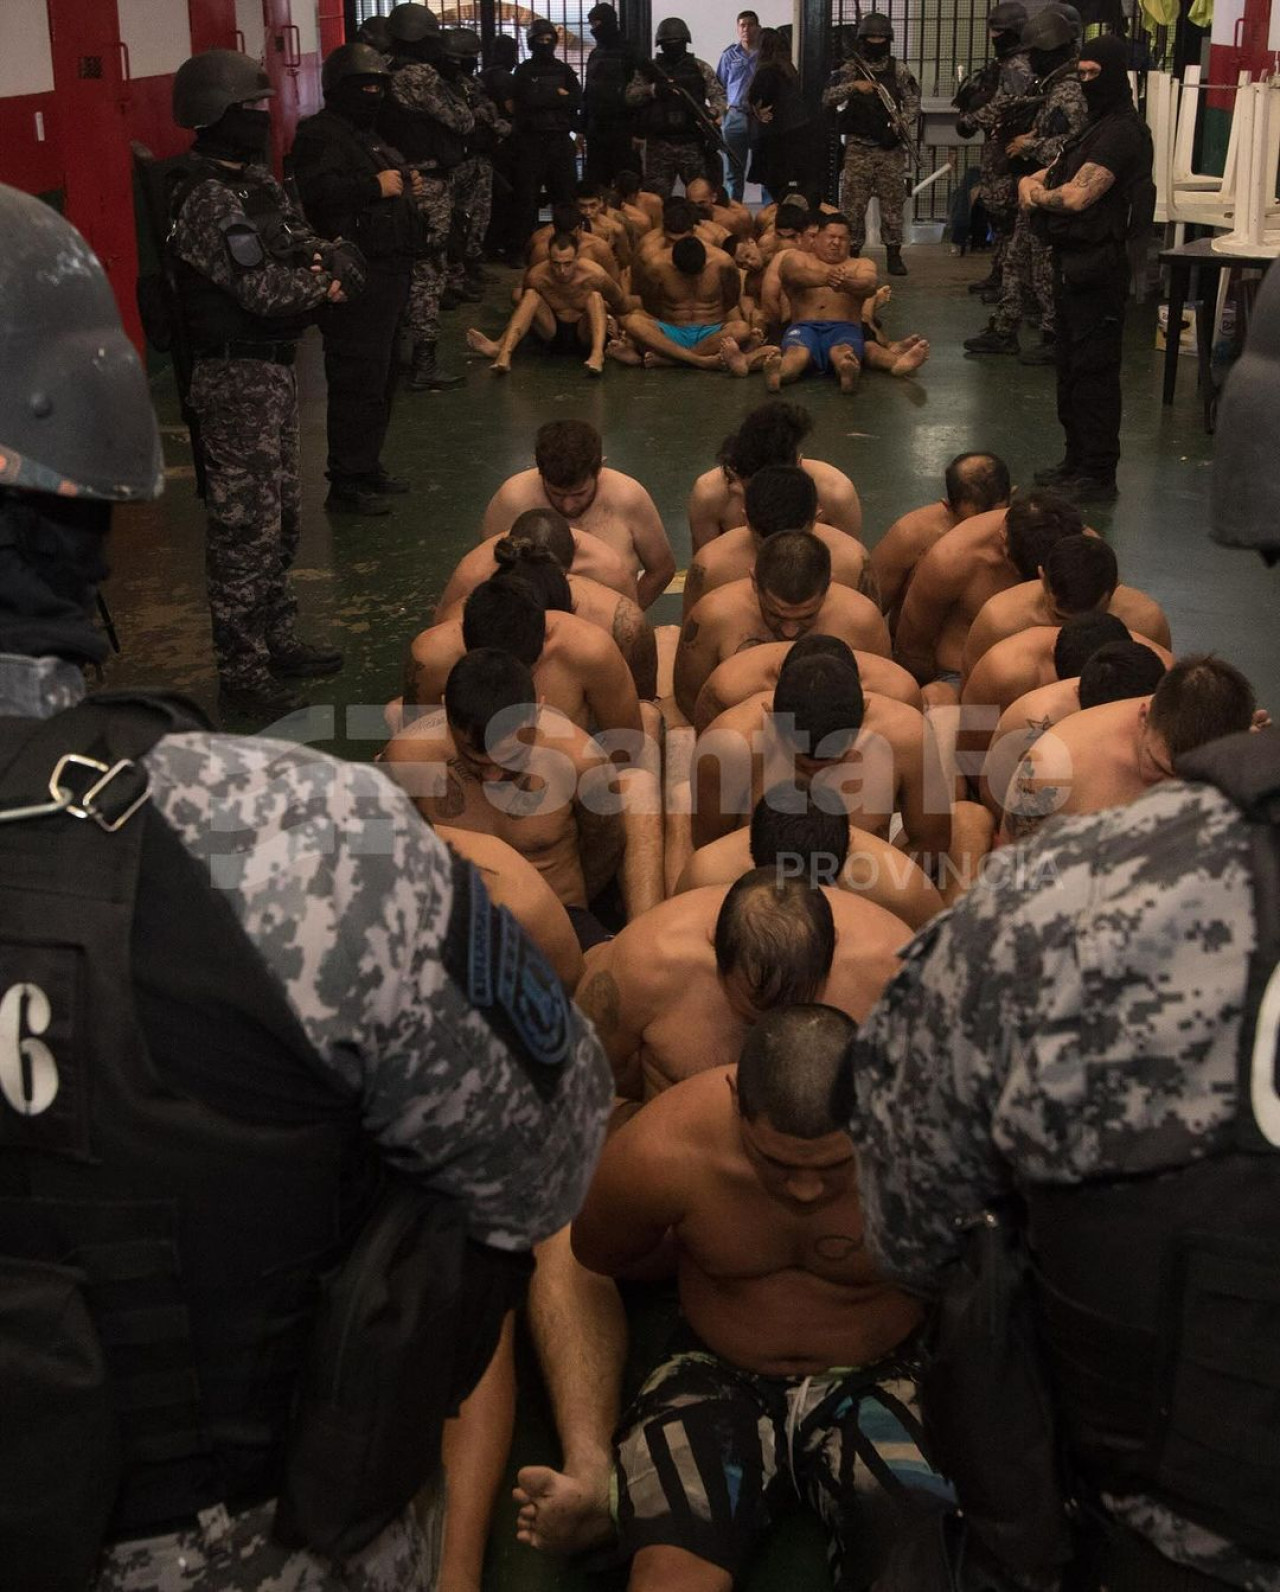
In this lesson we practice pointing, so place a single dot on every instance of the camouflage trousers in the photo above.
(1026, 282)
(873, 173)
(248, 414)
(472, 187)
(239, 1554)
(429, 268)
(665, 159)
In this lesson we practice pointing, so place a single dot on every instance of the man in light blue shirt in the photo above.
(736, 69)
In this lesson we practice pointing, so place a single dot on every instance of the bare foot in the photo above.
(883, 295)
(910, 360)
(773, 371)
(478, 343)
(501, 365)
(595, 365)
(732, 357)
(654, 361)
(623, 352)
(848, 373)
(559, 1513)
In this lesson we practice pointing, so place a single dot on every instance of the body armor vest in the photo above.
(380, 228)
(213, 316)
(423, 140)
(540, 106)
(864, 117)
(608, 73)
(1160, 1295)
(668, 116)
(170, 1147)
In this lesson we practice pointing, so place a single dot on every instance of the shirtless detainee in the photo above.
(1117, 670)
(976, 483)
(731, 217)
(986, 554)
(691, 310)
(826, 292)
(675, 992)
(596, 220)
(780, 497)
(865, 755)
(770, 434)
(577, 669)
(642, 210)
(1109, 756)
(565, 303)
(799, 837)
(789, 594)
(569, 476)
(748, 1177)
(757, 669)
(1079, 575)
(565, 218)
(495, 761)
(607, 602)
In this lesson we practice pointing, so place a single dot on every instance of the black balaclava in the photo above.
(1006, 42)
(876, 50)
(1110, 90)
(605, 28)
(504, 52)
(352, 100)
(1042, 62)
(239, 134)
(51, 564)
(468, 64)
(542, 46)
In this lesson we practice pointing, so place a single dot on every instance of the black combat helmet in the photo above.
(374, 30)
(1246, 488)
(1071, 14)
(351, 60)
(1047, 30)
(75, 408)
(461, 44)
(603, 15)
(875, 25)
(1010, 16)
(541, 29)
(208, 85)
(411, 23)
(673, 30)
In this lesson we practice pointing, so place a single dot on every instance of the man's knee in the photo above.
(661, 1568)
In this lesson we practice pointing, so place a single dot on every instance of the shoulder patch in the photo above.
(507, 979)
(243, 242)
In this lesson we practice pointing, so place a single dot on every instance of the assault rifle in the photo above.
(706, 123)
(898, 126)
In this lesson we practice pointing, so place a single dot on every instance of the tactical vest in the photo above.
(214, 316)
(607, 75)
(1160, 1295)
(540, 106)
(126, 984)
(381, 228)
(668, 116)
(1117, 215)
(864, 117)
(423, 140)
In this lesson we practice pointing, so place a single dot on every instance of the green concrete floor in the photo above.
(369, 585)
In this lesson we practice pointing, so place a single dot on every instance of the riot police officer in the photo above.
(203, 1090)
(472, 181)
(429, 125)
(250, 274)
(984, 100)
(606, 117)
(875, 151)
(1058, 113)
(548, 100)
(353, 185)
(677, 141)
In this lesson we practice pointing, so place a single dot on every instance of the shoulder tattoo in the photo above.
(690, 632)
(601, 1002)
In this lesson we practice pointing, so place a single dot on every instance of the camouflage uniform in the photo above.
(248, 414)
(1076, 1016)
(870, 170)
(472, 185)
(998, 189)
(346, 894)
(419, 87)
(665, 159)
(1026, 284)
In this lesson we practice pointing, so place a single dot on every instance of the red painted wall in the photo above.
(24, 162)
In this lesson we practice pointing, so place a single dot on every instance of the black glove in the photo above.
(345, 262)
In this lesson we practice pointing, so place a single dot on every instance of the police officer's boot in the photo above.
(262, 699)
(894, 253)
(1044, 353)
(992, 342)
(426, 375)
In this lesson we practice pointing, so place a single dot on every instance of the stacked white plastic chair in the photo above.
(1202, 198)
(1256, 217)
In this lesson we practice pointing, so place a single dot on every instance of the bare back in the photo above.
(732, 556)
(757, 669)
(960, 573)
(900, 549)
(717, 502)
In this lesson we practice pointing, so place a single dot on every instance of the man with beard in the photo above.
(1093, 198)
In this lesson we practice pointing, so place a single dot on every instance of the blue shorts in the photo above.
(820, 337)
(688, 336)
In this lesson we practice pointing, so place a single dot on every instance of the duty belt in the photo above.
(273, 353)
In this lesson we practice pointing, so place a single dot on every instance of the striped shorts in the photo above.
(710, 1454)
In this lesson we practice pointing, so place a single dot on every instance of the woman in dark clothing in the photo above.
(788, 145)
